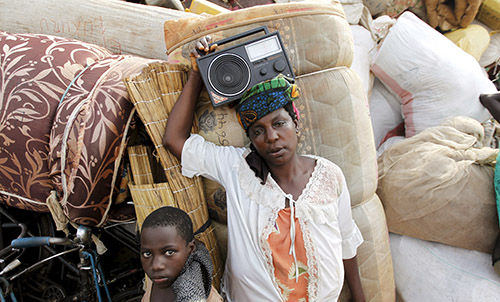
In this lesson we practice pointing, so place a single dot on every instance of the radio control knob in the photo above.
(263, 71)
(279, 65)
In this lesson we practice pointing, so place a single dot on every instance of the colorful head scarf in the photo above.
(264, 98)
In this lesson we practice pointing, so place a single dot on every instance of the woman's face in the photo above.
(274, 136)
(163, 254)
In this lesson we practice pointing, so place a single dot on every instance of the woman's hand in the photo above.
(201, 46)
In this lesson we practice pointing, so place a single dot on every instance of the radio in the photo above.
(228, 73)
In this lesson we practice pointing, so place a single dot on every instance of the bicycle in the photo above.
(29, 271)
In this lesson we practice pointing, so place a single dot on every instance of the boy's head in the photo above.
(167, 240)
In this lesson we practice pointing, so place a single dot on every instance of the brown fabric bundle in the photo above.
(447, 16)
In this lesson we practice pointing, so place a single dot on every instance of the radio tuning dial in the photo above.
(263, 71)
(279, 65)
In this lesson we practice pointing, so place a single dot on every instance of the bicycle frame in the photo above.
(90, 275)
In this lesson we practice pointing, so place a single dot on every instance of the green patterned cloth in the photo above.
(264, 98)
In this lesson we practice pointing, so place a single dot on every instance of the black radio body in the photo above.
(228, 73)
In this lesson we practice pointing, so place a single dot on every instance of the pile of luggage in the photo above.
(390, 92)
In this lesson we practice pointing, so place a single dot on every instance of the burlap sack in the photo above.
(120, 26)
(316, 36)
(438, 186)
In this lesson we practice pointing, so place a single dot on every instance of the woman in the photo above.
(289, 217)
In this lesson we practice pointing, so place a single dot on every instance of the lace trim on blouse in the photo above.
(312, 262)
(318, 201)
(266, 249)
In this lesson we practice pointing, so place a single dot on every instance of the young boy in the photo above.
(178, 267)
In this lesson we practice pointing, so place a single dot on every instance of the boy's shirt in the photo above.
(213, 297)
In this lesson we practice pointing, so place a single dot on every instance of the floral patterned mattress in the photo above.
(64, 114)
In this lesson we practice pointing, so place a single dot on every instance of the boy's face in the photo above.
(163, 254)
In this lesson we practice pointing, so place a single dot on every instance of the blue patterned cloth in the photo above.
(264, 98)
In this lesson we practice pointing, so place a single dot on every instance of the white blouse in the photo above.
(323, 211)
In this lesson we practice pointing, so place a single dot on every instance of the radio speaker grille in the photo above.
(229, 74)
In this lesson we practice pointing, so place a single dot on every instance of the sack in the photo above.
(432, 76)
(489, 13)
(428, 271)
(438, 186)
(474, 39)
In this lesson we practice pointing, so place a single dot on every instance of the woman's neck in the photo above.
(294, 176)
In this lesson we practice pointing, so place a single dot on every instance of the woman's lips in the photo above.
(276, 152)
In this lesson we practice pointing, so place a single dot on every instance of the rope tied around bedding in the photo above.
(57, 213)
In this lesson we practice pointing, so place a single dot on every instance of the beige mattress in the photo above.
(119, 26)
(316, 36)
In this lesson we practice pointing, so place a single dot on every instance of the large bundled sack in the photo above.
(434, 78)
(120, 26)
(438, 186)
(429, 271)
(65, 113)
(301, 25)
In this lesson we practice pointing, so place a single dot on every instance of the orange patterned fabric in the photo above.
(284, 265)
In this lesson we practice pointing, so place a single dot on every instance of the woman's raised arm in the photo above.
(181, 117)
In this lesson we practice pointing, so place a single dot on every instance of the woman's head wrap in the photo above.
(264, 98)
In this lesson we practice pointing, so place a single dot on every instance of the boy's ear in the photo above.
(191, 246)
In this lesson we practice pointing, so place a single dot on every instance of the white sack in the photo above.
(361, 62)
(432, 76)
(385, 112)
(434, 272)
